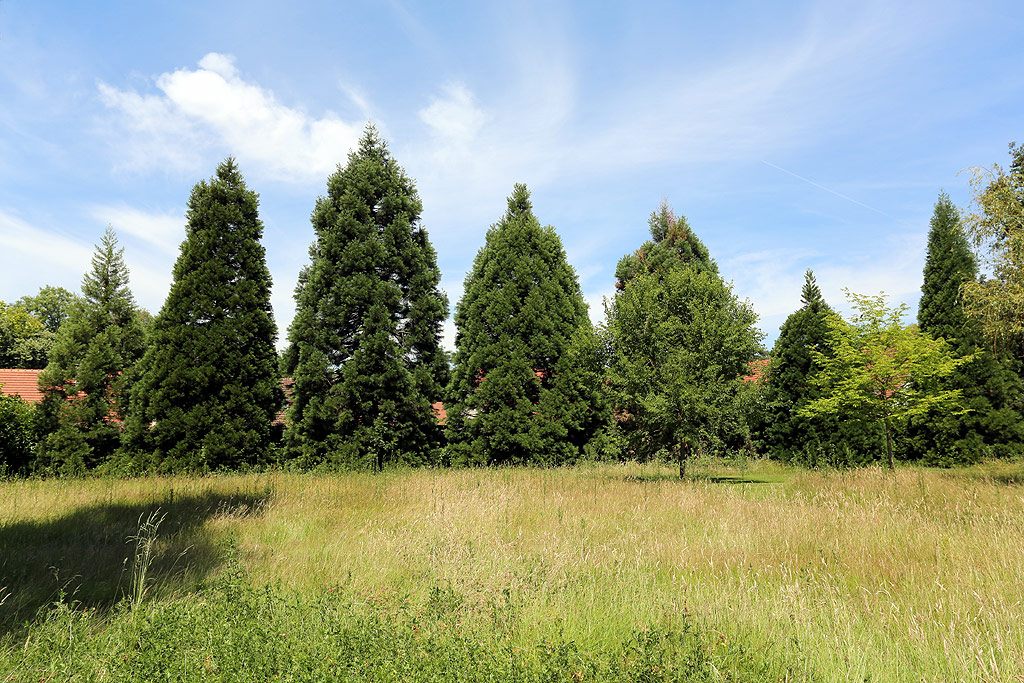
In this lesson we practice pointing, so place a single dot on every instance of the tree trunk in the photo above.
(683, 453)
(888, 445)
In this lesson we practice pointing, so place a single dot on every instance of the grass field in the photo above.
(620, 572)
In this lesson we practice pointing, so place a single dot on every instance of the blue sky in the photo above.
(791, 135)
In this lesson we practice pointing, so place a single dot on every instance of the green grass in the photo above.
(606, 572)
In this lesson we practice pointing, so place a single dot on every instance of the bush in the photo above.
(17, 434)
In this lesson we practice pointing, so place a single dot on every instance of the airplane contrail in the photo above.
(830, 191)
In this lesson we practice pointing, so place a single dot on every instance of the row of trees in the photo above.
(531, 381)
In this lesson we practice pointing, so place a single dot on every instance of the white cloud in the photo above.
(30, 251)
(213, 110)
(36, 256)
(162, 230)
(454, 116)
(772, 279)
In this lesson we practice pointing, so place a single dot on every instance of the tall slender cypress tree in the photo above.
(208, 387)
(524, 388)
(86, 381)
(990, 386)
(365, 342)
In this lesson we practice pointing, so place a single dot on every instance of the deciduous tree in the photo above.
(24, 340)
(52, 306)
(881, 371)
(679, 342)
(997, 227)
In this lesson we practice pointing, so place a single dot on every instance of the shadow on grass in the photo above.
(704, 477)
(86, 556)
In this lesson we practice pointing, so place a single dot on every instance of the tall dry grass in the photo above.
(861, 575)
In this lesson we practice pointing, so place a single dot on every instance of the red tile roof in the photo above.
(24, 383)
(757, 369)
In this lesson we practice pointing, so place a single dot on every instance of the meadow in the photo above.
(753, 571)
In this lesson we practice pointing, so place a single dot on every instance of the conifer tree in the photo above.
(86, 381)
(365, 348)
(787, 388)
(990, 388)
(208, 385)
(525, 387)
(680, 341)
(672, 243)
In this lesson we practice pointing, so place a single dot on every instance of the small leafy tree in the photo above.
(879, 370)
(679, 343)
(786, 388)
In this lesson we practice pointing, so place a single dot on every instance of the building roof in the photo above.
(757, 370)
(24, 383)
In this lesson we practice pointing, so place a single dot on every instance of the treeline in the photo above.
(677, 368)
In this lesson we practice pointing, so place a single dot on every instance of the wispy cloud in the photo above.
(772, 279)
(37, 256)
(214, 110)
(162, 230)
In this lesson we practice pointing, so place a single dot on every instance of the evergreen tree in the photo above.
(673, 243)
(208, 386)
(526, 384)
(680, 342)
(989, 386)
(787, 388)
(85, 383)
(365, 342)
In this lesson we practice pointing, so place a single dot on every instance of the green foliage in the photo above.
(85, 382)
(52, 306)
(679, 343)
(526, 386)
(673, 243)
(242, 632)
(997, 226)
(365, 342)
(24, 340)
(787, 435)
(990, 388)
(880, 371)
(208, 386)
(17, 434)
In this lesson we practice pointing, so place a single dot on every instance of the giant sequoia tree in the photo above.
(365, 342)
(679, 340)
(208, 386)
(525, 388)
(989, 386)
(85, 383)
